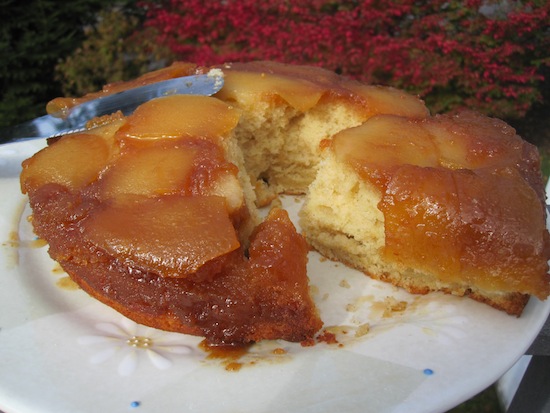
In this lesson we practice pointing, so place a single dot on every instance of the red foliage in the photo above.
(449, 52)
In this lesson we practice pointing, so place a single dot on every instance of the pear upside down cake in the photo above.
(156, 214)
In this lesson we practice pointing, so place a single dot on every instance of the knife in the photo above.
(127, 101)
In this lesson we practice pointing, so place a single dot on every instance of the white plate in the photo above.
(61, 351)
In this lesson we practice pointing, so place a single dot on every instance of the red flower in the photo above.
(446, 51)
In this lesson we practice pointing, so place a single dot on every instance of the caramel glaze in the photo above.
(260, 297)
(230, 356)
(462, 197)
(153, 222)
(304, 86)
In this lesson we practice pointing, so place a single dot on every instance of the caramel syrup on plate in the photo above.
(230, 355)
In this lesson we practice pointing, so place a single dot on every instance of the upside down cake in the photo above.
(156, 213)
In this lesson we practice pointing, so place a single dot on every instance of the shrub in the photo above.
(34, 35)
(116, 48)
(482, 54)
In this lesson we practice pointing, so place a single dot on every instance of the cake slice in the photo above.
(453, 203)
(154, 215)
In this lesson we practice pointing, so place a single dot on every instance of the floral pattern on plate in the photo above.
(131, 342)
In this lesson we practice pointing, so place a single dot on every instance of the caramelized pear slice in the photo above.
(73, 161)
(172, 236)
(251, 86)
(384, 142)
(181, 115)
(160, 168)
(387, 100)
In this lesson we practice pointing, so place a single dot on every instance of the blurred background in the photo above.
(489, 55)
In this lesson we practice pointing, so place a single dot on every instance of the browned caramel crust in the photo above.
(462, 200)
(263, 297)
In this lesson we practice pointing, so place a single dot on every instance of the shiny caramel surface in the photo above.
(172, 235)
(147, 219)
(154, 187)
(181, 115)
(461, 198)
(260, 296)
(302, 87)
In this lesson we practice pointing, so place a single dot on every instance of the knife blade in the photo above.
(127, 101)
